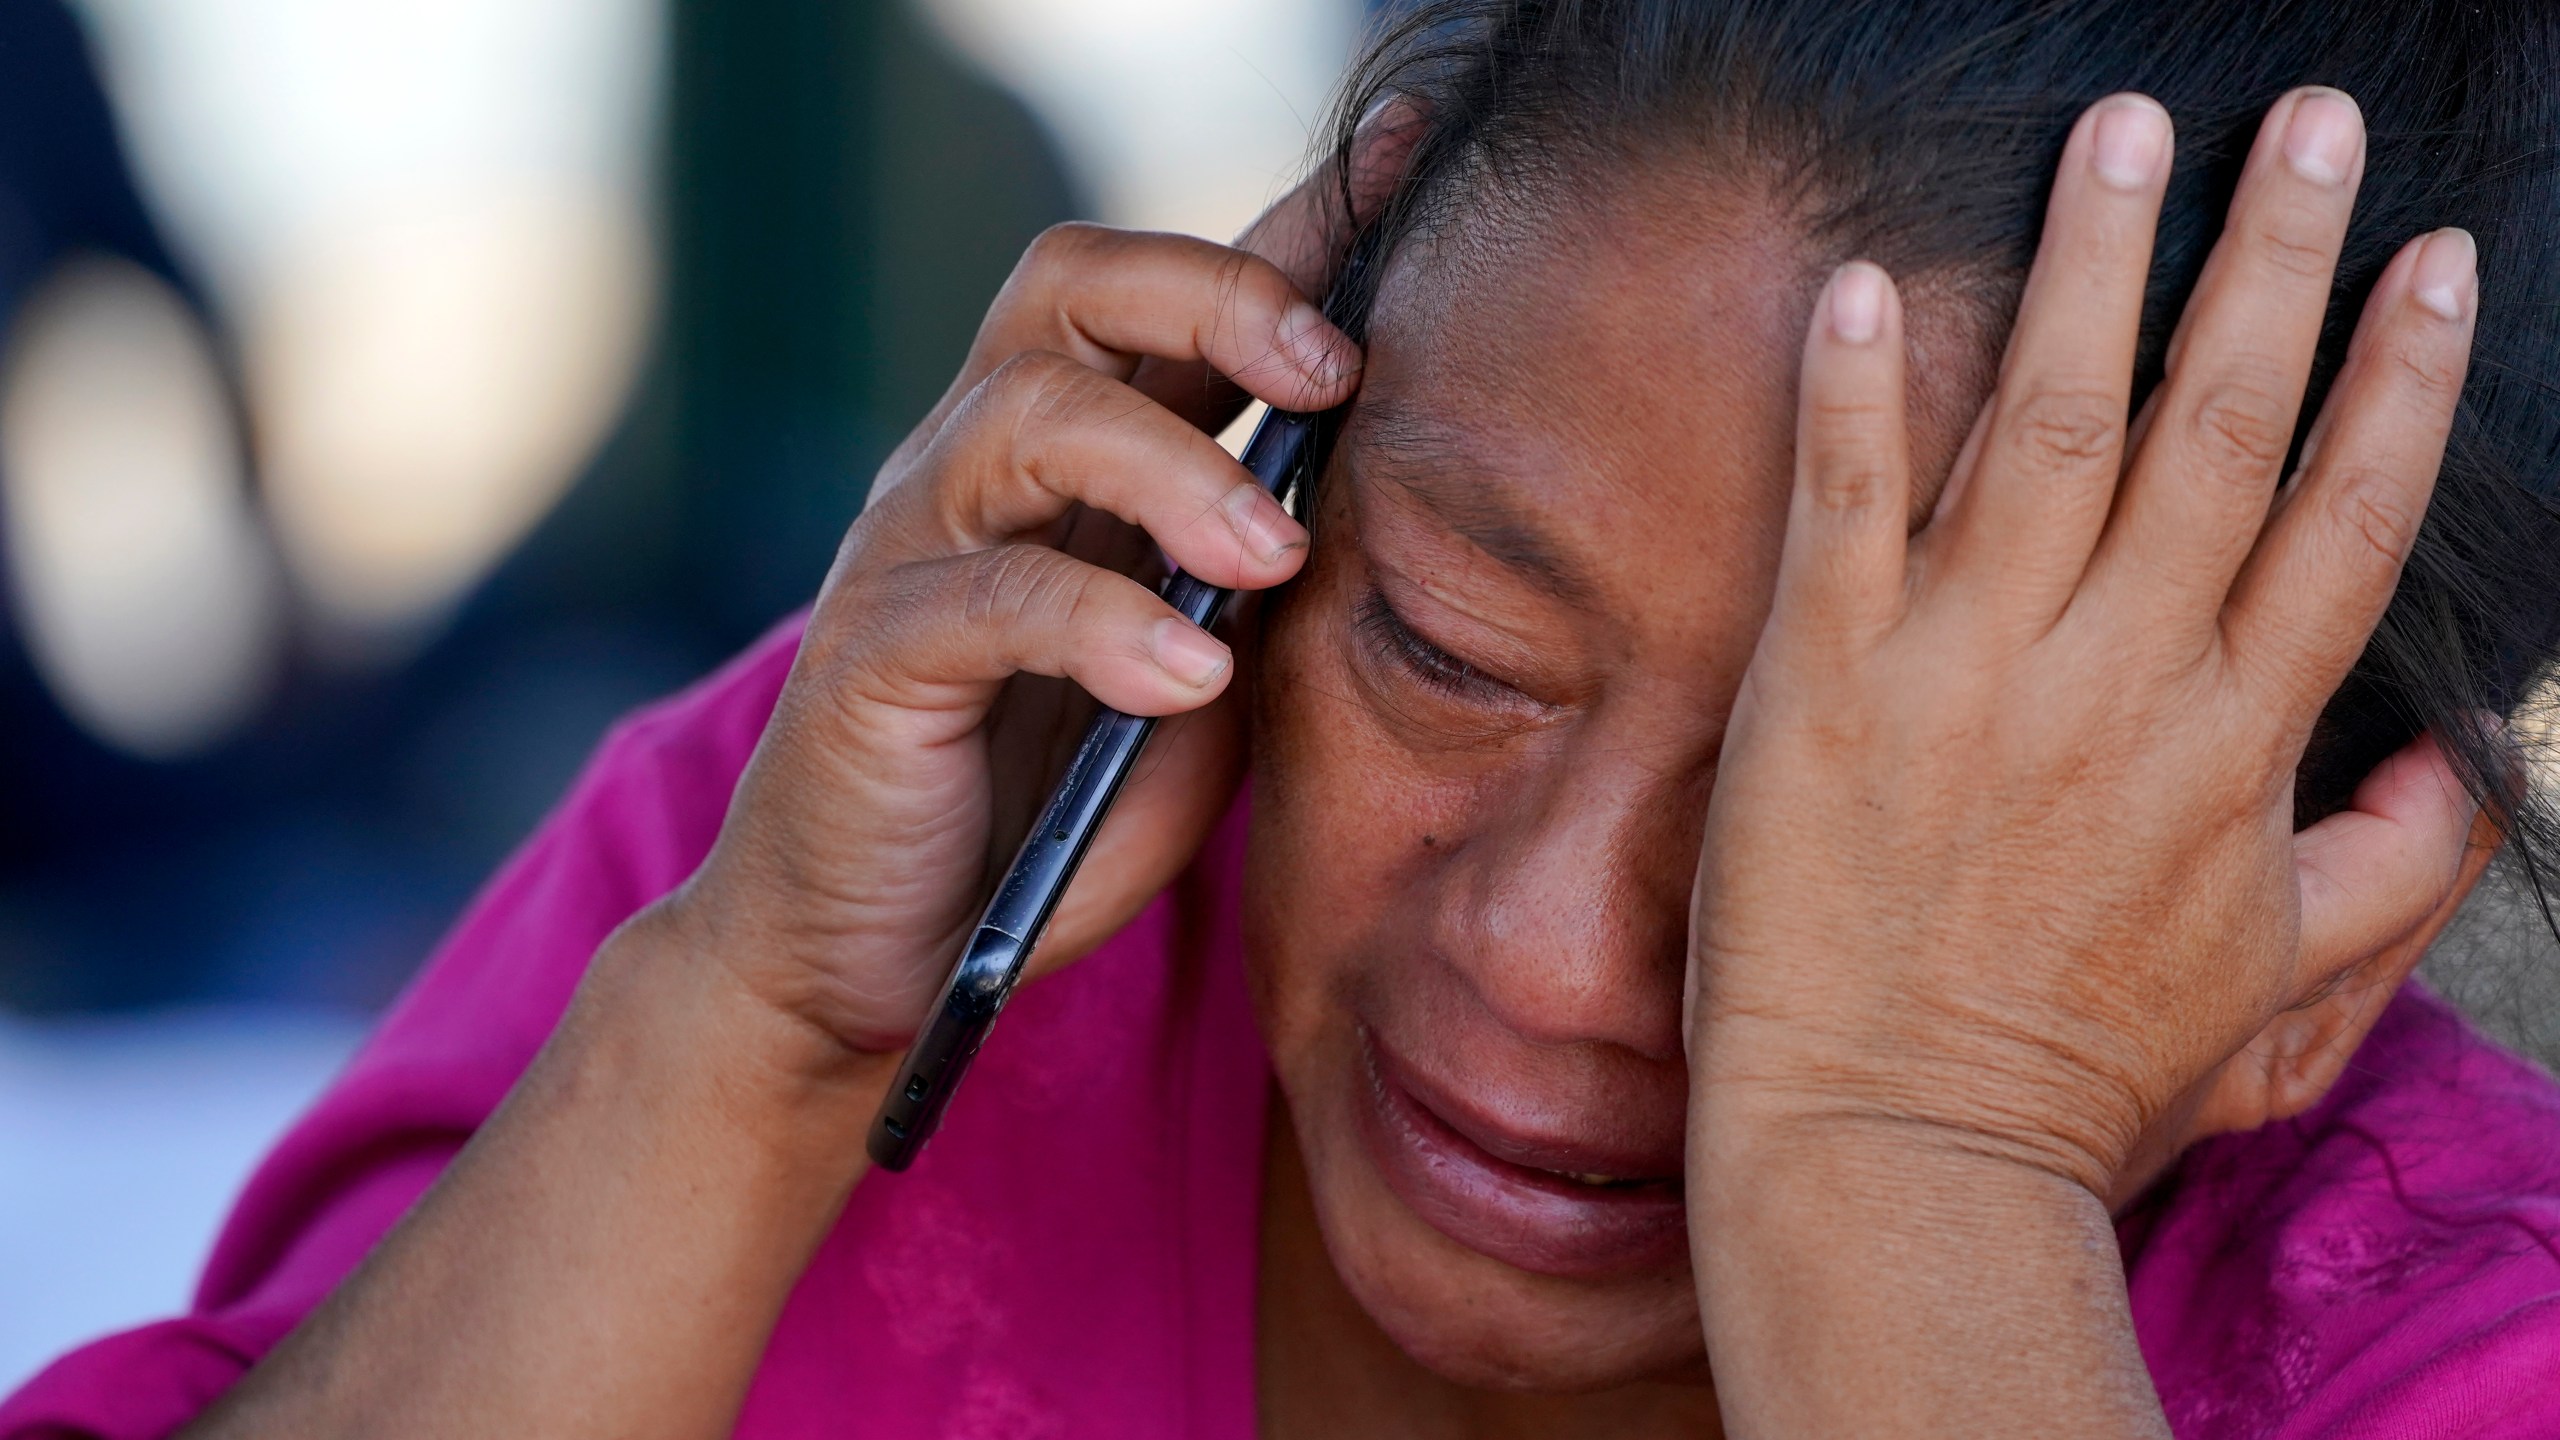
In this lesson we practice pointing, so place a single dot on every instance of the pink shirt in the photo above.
(1074, 1255)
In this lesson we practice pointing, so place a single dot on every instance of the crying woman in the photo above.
(1821, 831)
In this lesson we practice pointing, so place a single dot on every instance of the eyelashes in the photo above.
(1385, 630)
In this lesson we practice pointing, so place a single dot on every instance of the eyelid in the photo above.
(1426, 662)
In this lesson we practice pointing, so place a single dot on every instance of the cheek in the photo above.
(1345, 824)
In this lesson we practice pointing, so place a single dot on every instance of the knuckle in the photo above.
(2373, 514)
(1848, 472)
(1031, 292)
(1007, 584)
(2067, 426)
(1039, 387)
(1850, 490)
(2240, 425)
(2428, 368)
(1244, 277)
(1076, 593)
(993, 443)
(2290, 654)
(973, 410)
(1846, 422)
(1236, 272)
(883, 615)
(1031, 372)
(2297, 244)
(1065, 246)
(1247, 299)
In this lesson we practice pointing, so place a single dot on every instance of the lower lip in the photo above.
(1531, 1219)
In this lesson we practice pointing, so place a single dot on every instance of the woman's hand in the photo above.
(657, 1180)
(2002, 838)
(2000, 866)
(855, 854)
(994, 562)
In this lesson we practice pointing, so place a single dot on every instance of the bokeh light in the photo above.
(139, 573)
(428, 221)
(1181, 115)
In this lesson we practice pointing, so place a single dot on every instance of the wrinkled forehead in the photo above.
(1618, 373)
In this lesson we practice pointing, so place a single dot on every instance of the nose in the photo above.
(1569, 915)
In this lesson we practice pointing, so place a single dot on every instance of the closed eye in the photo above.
(1385, 630)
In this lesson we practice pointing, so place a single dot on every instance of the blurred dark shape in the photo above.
(64, 185)
(845, 200)
(64, 188)
(842, 198)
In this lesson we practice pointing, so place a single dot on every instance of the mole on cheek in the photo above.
(1430, 840)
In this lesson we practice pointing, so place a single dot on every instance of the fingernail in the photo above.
(2447, 273)
(1266, 530)
(1857, 303)
(1322, 353)
(2129, 138)
(1188, 653)
(2320, 140)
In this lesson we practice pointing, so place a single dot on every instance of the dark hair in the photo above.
(1923, 134)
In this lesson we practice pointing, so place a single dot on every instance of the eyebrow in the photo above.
(1427, 461)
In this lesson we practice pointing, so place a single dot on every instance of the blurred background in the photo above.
(392, 394)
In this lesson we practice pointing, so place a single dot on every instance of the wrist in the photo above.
(1870, 1159)
(664, 985)
(1853, 1271)
(1917, 1094)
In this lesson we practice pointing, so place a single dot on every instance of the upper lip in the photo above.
(1584, 1157)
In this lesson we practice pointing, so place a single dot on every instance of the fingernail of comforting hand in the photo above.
(1320, 352)
(1188, 653)
(2445, 275)
(1857, 303)
(2320, 140)
(1265, 529)
(2129, 138)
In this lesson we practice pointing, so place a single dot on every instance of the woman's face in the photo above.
(1489, 720)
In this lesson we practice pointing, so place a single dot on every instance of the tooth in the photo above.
(1597, 1179)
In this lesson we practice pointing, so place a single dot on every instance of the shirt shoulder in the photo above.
(2388, 1264)
(1073, 1256)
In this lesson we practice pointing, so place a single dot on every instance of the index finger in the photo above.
(1304, 233)
(2019, 522)
(1108, 297)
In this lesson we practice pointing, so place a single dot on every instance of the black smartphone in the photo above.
(1282, 455)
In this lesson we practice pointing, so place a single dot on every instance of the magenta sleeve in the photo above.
(637, 821)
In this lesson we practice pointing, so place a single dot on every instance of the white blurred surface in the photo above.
(428, 220)
(136, 564)
(1186, 115)
(122, 1143)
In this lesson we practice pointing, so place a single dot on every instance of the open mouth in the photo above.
(1554, 1219)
